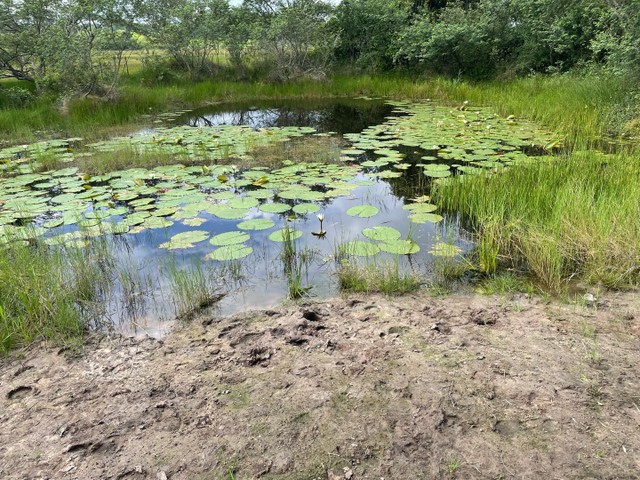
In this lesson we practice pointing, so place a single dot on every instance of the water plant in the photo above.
(46, 293)
(384, 276)
(194, 286)
(565, 218)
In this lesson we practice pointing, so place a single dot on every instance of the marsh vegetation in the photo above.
(334, 163)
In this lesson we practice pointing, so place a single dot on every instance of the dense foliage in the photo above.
(77, 46)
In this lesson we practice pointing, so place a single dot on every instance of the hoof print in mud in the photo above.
(484, 317)
(20, 392)
(314, 315)
(258, 356)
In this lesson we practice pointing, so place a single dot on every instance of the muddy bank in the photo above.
(358, 388)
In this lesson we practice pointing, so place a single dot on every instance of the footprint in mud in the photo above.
(20, 392)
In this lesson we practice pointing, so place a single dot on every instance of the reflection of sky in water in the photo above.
(259, 280)
(262, 281)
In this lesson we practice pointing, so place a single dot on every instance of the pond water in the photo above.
(345, 115)
(225, 224)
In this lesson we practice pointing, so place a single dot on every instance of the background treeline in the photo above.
(84, 47)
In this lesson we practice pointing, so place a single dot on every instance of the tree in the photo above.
(294, 36)
(366, 30)
(53, 43)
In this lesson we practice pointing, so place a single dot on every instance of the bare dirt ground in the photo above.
(359, 388)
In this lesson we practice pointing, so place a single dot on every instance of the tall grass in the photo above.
(46, 293)
(570, 217)
(581, 108)
(383, 277)
(194, 287)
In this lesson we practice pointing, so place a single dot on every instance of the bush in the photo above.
(15, 97)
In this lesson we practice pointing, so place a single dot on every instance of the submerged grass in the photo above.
(382, 277)
(194, 287)
(569, 217)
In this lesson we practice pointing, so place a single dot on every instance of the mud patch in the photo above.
(358, 388)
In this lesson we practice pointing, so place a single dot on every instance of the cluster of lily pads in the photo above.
(131, 201)
(462, 140)
(203, 143)
(65, 206)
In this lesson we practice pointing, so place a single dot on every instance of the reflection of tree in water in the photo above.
(413, 183)
(328, 116)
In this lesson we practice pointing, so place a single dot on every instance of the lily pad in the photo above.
(243, 202)
(362, 211)
(425, 217)
(229, 238)
(359, 248)
(275, 207)
(437, 173)
(305, 208)
(230, 252)
(420, 207)
(256, 224)
(281, 235)
(382, 233)
(185, 239)
(400, 247)
(194, 222)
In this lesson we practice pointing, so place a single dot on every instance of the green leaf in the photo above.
(244, 202)
(256, 224)
(382, 233)
(230, 252)
(362, 211)
(285, 234)
(275, 207)
(305, 208)
(425, 217)
(185, 239)
(359, 248)
(400, 247)
(229, 238)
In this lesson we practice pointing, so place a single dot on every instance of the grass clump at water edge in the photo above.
(48, 293)
(562, 219)
(383, 277)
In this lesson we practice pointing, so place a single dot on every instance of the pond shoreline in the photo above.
(462, 386)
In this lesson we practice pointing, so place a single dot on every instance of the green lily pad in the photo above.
(281, 235)
(194, 222)
(362, 211)
(229, 238)
(275, 207)
(420, 207)
(256, 224)
(359, 248)
(382, 233)
(244, 202)
(53, 223)
(227, 213)
(230, 252)
(157, 223)
(399, 247)
(185, 239)
(442, 249)
(437, 173)
(425, 217)
(305, 208)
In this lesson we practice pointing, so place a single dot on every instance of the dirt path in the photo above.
(360, 388)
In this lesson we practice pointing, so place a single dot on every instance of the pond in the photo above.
(256, 202)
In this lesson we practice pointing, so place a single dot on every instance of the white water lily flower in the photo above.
(321, 216)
